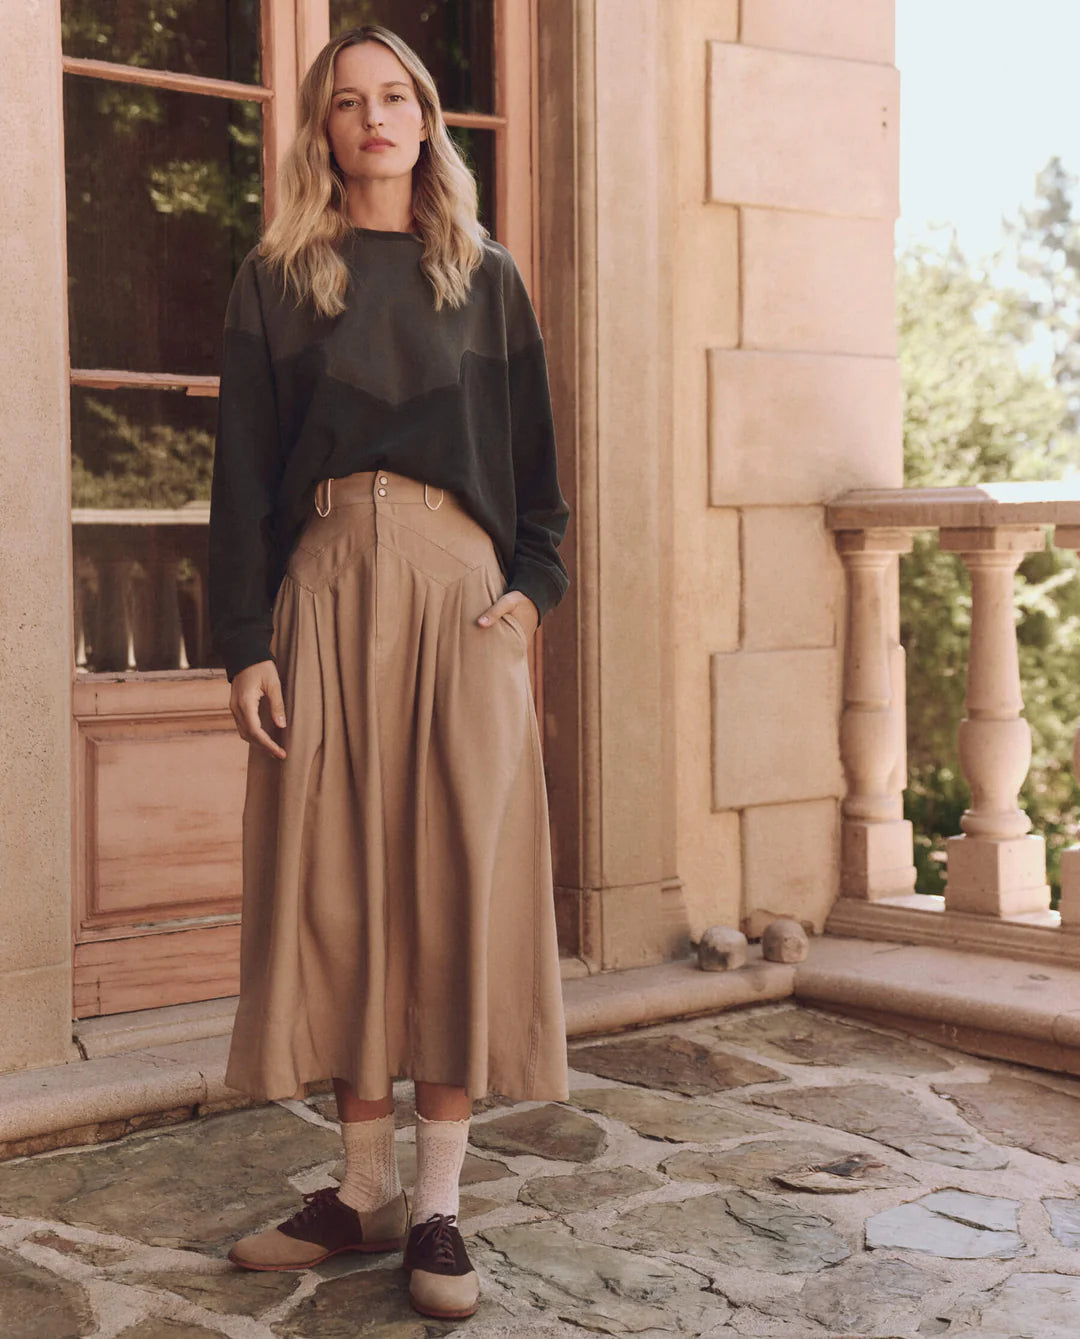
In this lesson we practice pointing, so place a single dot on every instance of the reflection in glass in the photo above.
(164, 199)
(454, 39)
(140, 448)
(141, 469)
(478, 149)
(215, 38)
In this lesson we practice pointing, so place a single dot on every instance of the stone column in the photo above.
(876, 841)
(607, 701)
(1068, 537)
(36, 649)
(996, 868)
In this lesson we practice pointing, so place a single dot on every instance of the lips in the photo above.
(378, 144)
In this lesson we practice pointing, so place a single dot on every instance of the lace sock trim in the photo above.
(371, 1170)
(440, 1154)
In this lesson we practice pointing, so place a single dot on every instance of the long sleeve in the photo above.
(542, 511)
(246, 464)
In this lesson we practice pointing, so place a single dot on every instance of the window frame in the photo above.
(292, 32)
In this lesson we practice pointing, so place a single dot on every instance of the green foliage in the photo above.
(140, 465)
(977, 412)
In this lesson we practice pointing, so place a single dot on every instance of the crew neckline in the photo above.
(384, 232)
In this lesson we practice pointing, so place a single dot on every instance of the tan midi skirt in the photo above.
(398, 914)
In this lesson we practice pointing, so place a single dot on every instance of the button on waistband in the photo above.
(382, 491)
(382, 479)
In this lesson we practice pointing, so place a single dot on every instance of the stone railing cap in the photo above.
(1042, 502)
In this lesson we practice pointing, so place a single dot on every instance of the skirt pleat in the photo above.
(398, 910)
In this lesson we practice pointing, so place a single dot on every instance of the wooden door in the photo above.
(173, 132)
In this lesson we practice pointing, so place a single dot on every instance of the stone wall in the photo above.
(783, 169)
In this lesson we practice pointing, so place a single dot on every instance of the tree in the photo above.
(974, 413)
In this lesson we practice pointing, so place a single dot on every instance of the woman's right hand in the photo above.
(249, 687)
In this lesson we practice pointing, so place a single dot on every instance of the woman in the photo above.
(384, 532)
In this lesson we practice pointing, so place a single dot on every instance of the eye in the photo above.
(346, 102)
(399, 96)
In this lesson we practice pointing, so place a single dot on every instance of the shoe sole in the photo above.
(445, 1315)
(442, 1315)
(365, 1248)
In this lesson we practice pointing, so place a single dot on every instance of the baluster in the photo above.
(996, 868)
(1068, 537)
(876, 844)
(166, 636)
(112, 639)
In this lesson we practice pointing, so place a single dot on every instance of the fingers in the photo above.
(516, 603)
(249, 690)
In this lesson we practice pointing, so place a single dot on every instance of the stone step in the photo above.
(165, 1066)
(984, 1004)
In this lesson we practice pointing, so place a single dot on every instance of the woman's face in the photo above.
(374, 99)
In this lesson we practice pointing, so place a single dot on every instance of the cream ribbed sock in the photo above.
(440, 1153)
(371, 1170)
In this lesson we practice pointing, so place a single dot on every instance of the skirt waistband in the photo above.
(379, 486)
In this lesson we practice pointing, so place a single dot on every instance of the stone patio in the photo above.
(771, 1171)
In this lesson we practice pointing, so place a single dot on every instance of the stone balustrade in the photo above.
(996, 867)
(140, 588)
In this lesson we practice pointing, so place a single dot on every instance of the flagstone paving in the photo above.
(774, 1171)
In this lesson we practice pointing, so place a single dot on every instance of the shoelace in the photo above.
(438, 1228)
(315, 1201)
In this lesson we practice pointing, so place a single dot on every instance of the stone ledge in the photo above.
(916, 918)
(153, 1081)
(981, 1003)
(115, 1034)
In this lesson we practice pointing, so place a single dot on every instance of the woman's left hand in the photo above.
(514, 602)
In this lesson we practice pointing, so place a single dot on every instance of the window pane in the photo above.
(215, 38)
(141, 469)
(454, 39)
(164, 199)
(140, 448)
(478, 148)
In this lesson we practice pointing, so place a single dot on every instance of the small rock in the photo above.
(784, 940)
(721, 948)
(753, 925)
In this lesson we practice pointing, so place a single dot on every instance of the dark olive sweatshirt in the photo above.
(457, 398)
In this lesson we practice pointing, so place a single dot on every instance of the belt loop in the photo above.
(319, 509)
(428, 504)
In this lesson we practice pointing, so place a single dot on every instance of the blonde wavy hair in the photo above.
(302, 242)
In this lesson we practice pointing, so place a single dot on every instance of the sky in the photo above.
(988, 93)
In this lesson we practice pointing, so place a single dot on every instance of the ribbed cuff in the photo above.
(538, 584)
(247, 648)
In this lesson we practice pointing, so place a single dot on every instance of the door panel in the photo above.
(162, 842)
(117, 976)
(169, 128)
(160, 783)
